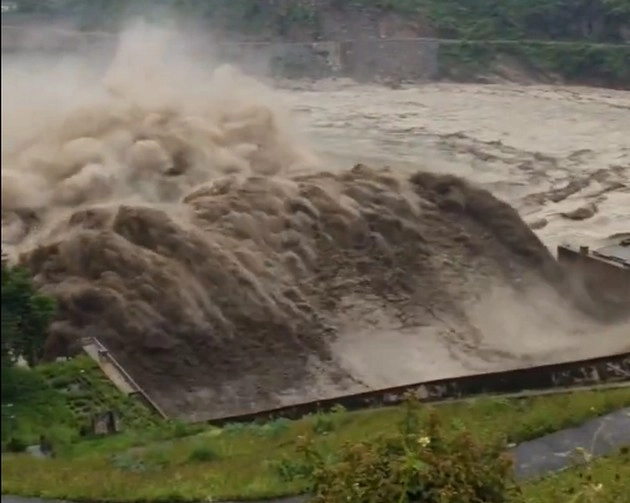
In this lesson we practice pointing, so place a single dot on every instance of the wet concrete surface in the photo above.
(557, 451)
(548, 454)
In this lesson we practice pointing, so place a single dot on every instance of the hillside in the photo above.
(605, 21)
(60, 399)
(581, 41)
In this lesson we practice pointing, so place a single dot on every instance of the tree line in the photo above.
(26, 316)
(576, 20)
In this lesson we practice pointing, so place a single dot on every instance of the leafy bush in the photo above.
(323, 424)
(419, 463)
(180, 429)
(158, 457)
(16, 445)
(274, 428)
(288, 470)
(28, 404)
(25, 316)
(128, 463)
(203, 454)
(237, 428)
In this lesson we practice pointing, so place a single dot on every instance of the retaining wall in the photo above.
(589, 373)
(413, 58)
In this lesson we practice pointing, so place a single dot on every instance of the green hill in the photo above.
(606, 21)
(59, 400)
(576, 41)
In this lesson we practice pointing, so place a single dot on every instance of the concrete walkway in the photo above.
(535, 458)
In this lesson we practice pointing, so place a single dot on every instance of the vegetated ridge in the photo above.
(60, 400)
(532, 40)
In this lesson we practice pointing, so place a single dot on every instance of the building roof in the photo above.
(619, 252)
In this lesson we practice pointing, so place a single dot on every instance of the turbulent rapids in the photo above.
(177, 216)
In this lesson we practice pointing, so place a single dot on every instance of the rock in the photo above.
(581, 213)
(538, 224)
(393, 83)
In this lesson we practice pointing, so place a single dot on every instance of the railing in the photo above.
(592, 373)
(584, 374)
(102, 350)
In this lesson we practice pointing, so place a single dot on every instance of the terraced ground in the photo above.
(60, 398)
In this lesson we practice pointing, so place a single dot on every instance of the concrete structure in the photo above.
(361, 59)
(117, 374)
(101, 356)
(605, 271)
(106, 423)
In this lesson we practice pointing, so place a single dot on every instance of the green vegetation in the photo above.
(605, 480)
(59, 400)
(25, 318)
(546, 37)
(177, 463)
(253, 16)
(424, 461)
(55, 399)
(578, 20)
(574, 62)
(419, 461)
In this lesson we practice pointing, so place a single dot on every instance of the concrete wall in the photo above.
(365, 59)
(530, 381)
(398, 59)
(606, 280)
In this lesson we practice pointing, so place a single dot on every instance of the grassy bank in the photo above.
(59, 399)
(605, 480)
(256, 461)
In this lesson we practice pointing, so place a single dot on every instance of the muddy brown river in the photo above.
(75, 138)
(521, 142)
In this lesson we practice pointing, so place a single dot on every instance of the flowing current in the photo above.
(214, 234)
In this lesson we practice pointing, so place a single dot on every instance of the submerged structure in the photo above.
(606, 270)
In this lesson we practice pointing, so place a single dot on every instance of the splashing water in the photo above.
(177, 214)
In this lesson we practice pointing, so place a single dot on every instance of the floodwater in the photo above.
(521, 142)
(559, 155)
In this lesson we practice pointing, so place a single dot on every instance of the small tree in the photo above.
(420, 463)
(26, 316)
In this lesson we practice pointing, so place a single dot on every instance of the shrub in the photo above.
(25, 318)
(128, 463)
(157, 457)
(288, 470)
(275, 428)
(240, 428)
(419, 463)
(16, 445)
(179, 429)
(323, 424)
(203, 454)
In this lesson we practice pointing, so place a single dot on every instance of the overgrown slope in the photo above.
(574, 20)
(577, 41)
(58, 399)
